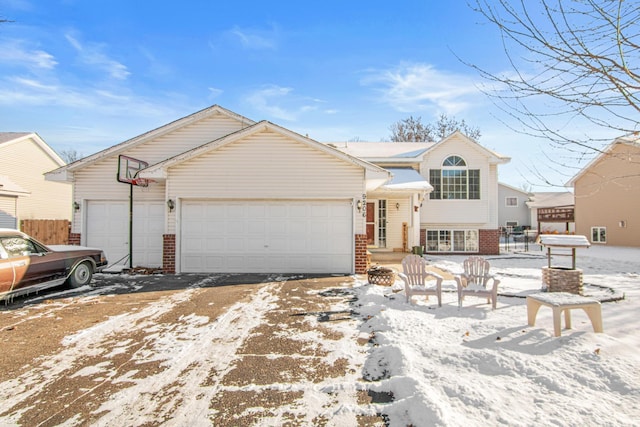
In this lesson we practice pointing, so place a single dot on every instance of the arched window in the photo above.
(455, 181)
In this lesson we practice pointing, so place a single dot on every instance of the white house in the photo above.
(446, 201)
(227, 194)
(24, 193)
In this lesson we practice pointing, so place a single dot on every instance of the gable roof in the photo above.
(374, 174)
(155, 133)
(494, 158)
(632, 139)
(399, 152)
(10, 138)
(512, 188)
(551, 199)
(409, 152)
(10, 188)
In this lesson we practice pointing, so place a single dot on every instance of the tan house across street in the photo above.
(218, 192)
(607, 195)
(24, 192)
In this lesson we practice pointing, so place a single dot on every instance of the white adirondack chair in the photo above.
(475, 281)
(417, 281)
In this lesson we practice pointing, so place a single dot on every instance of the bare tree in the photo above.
(580, 67)
(413, 130)
(70, 155)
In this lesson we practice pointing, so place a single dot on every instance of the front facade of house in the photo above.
(607, 195)
(455, 211)
(24, 193)
(227, 194)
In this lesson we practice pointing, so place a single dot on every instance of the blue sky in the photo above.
(87, 74)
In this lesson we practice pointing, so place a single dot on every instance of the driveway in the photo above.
(186, 350)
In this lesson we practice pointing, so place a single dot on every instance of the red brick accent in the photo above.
(423, 237)
(75, 238)
(361, 259)
(489, 242)
(169, 253)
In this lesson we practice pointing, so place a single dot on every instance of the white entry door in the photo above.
(266, 236)
(108, 229)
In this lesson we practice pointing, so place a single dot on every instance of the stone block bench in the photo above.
(564, 301)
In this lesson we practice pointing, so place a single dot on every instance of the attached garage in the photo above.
(108, 229)
(273, 236)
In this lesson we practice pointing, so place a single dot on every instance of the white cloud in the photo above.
(281, 103)
(214, 92)
(16, 53)
(91, 54)
(255, 39)
(412, 87)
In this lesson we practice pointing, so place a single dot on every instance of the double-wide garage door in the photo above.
(266, 236)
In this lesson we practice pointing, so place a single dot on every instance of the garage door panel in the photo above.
(108, 229)
(269, 236)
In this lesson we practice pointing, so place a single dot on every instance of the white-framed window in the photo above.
(511, 224)
(455, 181)
(599, 234)
(511, 202)
(452, 241)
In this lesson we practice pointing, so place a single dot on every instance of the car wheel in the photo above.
(81, 275)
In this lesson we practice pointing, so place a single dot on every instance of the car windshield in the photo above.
(18, 246)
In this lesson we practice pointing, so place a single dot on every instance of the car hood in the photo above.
(71, 248)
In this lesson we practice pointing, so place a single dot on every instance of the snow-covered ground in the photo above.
(429, 365)
(475, 366)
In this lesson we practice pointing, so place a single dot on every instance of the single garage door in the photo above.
(108, 229)
(266, 236)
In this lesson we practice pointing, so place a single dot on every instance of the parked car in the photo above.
(28, 266)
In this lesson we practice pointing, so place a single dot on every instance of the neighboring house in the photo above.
(552, 212)
(227, 194)
(607, 195)
(512, 207)
(24, 192)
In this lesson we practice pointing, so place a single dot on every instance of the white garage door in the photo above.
(7, 212)
(266, 237)
(108, 229)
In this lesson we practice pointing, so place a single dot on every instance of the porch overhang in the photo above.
(406, 180)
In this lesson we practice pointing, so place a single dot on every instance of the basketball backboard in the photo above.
(128, 168)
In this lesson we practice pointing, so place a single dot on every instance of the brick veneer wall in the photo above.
(169, 253)
(489, 242)
(75, 238)
(423, 237)
(361, 259)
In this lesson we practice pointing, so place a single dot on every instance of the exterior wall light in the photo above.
(359, 205)
(397, 206)
(171, 205)
(76, 206)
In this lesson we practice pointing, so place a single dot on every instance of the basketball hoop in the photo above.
(140, 182)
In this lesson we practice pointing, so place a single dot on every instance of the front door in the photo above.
(371, 223)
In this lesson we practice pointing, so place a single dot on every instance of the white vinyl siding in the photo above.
(25, 163)
(266, 165)
(480, 213)
(100, 177)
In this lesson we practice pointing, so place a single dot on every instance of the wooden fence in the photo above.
(47, 231)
